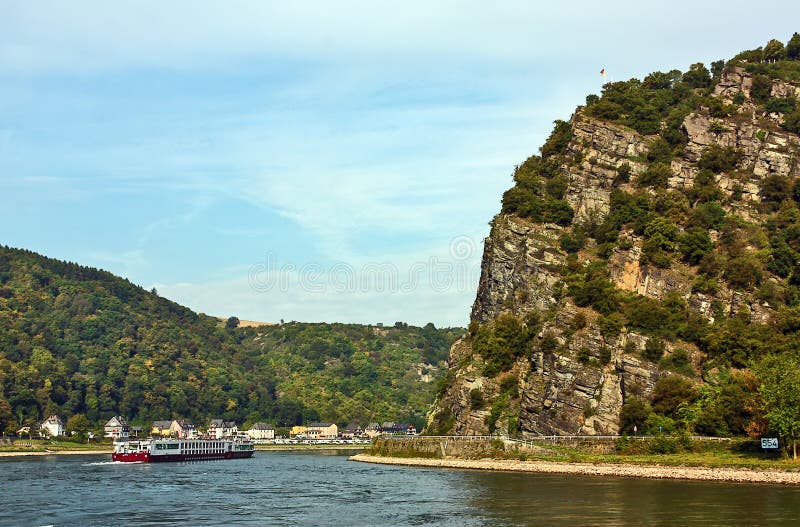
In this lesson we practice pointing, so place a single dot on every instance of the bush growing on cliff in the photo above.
(559, 139)
(720, 159)
(476, 400)
(501, 342)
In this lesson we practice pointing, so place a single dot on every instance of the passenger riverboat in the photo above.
(158, 450)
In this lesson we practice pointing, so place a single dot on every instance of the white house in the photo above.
(52, 427)
(261, 431)
(117, 428)
(219, 429)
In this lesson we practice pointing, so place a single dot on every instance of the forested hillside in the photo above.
(77, 340)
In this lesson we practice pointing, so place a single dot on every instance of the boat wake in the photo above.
(97, 463)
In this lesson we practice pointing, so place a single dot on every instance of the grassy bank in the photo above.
(45, 446)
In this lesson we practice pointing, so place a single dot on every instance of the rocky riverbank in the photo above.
(589, 469)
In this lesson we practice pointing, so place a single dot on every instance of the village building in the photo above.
(352, 431)
(322, 431)
(219, 429)
(53, 426)
(298, 430)
(260, 431)
(117, 428)
(372, 430)
(161, 428)
(183, 429)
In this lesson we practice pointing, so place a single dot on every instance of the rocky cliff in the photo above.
(577, 312)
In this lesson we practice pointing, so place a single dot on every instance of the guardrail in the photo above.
(551, 438)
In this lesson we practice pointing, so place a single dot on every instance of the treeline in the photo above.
(80, 341)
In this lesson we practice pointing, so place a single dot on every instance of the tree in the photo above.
(77, 425)
(697, 76)
(232, 323)
(780, 393)
(774, 51)
(670, 392)
(793, 47)
(633, 414)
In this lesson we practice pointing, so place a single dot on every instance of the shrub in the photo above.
(476, 401)
(510, 385)
(611, 325)
(791, 122)
(559, 139)
(653, 349)
(775, 190)
(720, 159)
(694, 244)
(662, 445)
(584, 355)
(670, 392)
(572, 242)
(657, 175)
(761, 88)
(634, 413)
(623, 173)
(743, 272)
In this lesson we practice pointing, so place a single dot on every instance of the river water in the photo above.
(305, 489)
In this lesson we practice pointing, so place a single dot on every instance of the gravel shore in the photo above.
(636, 471)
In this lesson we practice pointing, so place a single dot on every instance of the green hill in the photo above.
(78, 340)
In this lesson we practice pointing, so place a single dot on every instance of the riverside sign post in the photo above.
(769, 443)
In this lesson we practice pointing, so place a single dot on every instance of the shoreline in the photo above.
(588, 469)
(53, 453)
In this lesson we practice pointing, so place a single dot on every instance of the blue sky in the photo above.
(317, 161)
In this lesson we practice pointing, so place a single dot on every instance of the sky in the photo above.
(310, 161)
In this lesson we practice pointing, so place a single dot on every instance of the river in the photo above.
(323, 488)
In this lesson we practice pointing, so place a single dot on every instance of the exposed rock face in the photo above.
(580, 386)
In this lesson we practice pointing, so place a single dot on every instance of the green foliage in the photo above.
(780, 104)
(510, 385)
(656, 176)
(559, 139)
(501, 342)
(775, 190)
(720, 159)
(761, 88)
(780, 392)
(791, 122)
(538, 193)
(76, 340)
(642, 105)
(590, 287)
(698, 76)
(572, 242)
(659, 242)
(669, 393)
(793, 47)
(476, 400)
(704, 189)
(743, 272)
(694, 244)
(774, 51)
(653, 349)
(634, 413)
